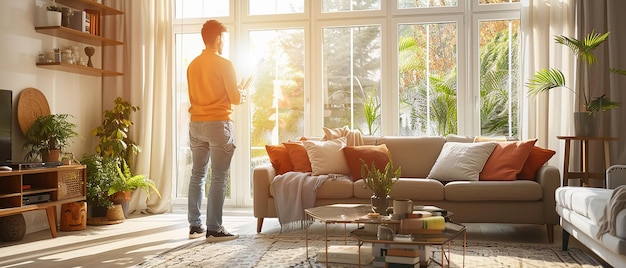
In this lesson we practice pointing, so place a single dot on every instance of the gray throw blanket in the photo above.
(616, 203)
(293, 193)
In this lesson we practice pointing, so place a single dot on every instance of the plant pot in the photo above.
(380, 204)
(115, 213)
(53, 18)
(50, 155)
(122, 198)
(96, 211)
(585, 124)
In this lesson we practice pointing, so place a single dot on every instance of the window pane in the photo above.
(351, 77)
(188, 47)
(499, 77)
(276, 94)
(201, 8)
(427, 65)
(268, 7)
(406, 4)
(349, 5)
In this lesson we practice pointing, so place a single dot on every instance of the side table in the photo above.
(584, 174)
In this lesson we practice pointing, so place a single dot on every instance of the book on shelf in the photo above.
(402, 259)
(403, 252)
(94, 21)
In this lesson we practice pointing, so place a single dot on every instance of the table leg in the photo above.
(52, 219)
(326, 238)
(566, 157)
(586, 163)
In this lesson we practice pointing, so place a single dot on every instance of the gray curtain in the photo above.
(607, 16)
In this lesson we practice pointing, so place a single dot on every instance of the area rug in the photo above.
(288, 250)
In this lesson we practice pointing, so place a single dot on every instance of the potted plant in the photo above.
(545, 80)
(53, 14)
(380, 182)
(124, 183)
(100, 173)
(114, 141)
(48, 136)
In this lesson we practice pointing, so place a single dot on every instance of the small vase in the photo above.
(380, 204)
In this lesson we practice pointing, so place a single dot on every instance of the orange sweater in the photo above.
(212, 86)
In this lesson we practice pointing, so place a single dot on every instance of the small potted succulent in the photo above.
(53, 14)
(380, 182)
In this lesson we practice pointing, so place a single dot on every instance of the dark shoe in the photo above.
(220, 235)
(196, 231)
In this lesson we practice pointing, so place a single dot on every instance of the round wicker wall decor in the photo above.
(30, 105)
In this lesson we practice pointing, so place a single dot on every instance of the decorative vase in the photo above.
(13, 228)
(585, 124)
(89, 51)
(380, 204)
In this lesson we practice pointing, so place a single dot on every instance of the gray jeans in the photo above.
(214, 141)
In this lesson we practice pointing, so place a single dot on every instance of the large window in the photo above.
(403, 67)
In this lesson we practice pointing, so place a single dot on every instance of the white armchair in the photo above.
(615, 176)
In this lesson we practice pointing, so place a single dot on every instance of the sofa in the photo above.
(473, 200)
(582, 211)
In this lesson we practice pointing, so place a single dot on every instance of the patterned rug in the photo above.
(288, 250)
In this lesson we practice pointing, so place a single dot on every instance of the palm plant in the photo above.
(125, 181)
(547, 79)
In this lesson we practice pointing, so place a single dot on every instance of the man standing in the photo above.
(213, 90)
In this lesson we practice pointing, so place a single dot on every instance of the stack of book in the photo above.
(402, 257)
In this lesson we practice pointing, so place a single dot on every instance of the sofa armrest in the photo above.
(550, 178)
(261, 179)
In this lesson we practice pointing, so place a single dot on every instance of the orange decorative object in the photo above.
(74, 216)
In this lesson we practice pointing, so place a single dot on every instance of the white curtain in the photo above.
(548, 115)
(146, 59)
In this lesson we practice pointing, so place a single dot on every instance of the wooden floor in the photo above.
(143, 236)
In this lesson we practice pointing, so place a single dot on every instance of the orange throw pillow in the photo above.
(298, 156)
(369, 153)
(537, 158)
(506, 160)
(279, 157)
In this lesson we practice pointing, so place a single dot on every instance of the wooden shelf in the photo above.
(78, 36)
(90, 4)
(79, 69)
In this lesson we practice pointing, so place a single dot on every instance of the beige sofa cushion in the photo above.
(493, 191)
(406, 188)
(416, 155)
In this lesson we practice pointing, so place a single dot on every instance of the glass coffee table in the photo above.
(358, 214)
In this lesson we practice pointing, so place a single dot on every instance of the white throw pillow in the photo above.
(327, 156)
(459, 161)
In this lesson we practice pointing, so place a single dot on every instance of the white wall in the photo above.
(78, 95)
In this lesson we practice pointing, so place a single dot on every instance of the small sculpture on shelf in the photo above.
(89, 51)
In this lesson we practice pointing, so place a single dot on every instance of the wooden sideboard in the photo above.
(62, 184)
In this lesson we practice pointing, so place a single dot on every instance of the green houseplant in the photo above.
(48, 136)
(100, 174)
(547, 79)
(380, 182)
(124, 183)
(114, 141)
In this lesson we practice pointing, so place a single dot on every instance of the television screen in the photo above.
(6, 122)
